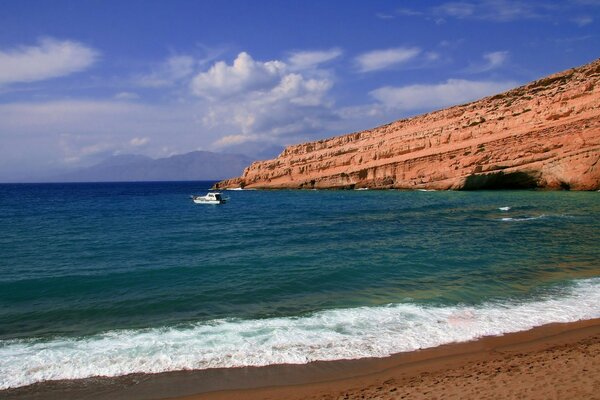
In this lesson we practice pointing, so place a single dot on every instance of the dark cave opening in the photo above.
(501, 180)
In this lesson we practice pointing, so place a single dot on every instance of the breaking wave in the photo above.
(327, 335)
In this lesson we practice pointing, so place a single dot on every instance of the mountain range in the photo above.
(196, 165)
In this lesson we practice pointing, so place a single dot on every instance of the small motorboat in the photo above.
(209, 198)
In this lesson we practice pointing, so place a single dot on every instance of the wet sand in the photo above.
(554, 361)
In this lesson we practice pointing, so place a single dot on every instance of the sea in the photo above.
(109, 279)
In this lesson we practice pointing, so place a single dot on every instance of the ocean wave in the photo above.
(541, 216)
(503, 208)
(327, 335)
(507, 219)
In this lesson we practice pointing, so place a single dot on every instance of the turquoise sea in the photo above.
(113, 278)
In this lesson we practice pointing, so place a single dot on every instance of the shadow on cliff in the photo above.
(500, 180)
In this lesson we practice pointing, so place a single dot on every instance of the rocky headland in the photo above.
(545, 134)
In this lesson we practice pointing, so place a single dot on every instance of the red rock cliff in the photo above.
(545, 134)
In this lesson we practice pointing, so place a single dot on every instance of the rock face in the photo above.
(542, 135)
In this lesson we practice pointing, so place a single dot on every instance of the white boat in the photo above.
(210, 198)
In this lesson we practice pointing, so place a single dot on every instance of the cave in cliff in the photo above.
(500, 180)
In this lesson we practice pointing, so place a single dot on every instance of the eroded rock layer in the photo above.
(545, 134)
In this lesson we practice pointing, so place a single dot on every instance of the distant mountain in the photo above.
(197, 165)
(125, 159)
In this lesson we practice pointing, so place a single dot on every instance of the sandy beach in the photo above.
(554, 361)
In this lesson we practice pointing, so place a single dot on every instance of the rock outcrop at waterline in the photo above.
(542, 135)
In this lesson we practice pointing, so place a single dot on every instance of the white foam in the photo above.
(328, 335)
(504, 208)
(523, 218)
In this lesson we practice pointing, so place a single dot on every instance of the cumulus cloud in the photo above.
(245, 74)
(264, 100)
(382, 59)
(434, 96)
(173, 70)
(296, 105)
(309, 59)
(50, 58)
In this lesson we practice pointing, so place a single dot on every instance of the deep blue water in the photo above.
(81, 260)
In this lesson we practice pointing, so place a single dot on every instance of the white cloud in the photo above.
(492, 10)
(309, 59)
(489, 10)
(407, 12)
(139, 141)
(432, 56)
(297, 105)
(265, 100)
(173, 70)
(384, 16)
(491, 61)
(245, 74)
(75, 152)
(583, 20)
(82, 131)
(50, 58)
(273, 104)
(126, 96)
(382, 59)
(495, 59)
(363, 112)
(434, 96)
(231, 140)
(457, 9)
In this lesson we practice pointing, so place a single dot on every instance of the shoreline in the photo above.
(442, 367)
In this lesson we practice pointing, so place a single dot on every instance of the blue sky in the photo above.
(83, 80)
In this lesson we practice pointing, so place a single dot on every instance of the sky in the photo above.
(84, 80)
